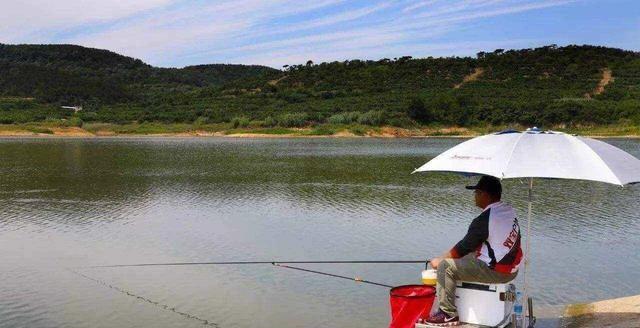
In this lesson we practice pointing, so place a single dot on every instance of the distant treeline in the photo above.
(544, 86)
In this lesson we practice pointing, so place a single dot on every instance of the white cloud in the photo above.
(299, 7)
(419, 5)
(169, 31)
(462, 15)
(516, 8)
(450, 8)
(340, 17)
(19, 19)
(157, 40)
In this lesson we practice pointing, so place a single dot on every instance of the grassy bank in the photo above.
(65, 128)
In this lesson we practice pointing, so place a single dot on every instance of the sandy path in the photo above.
(471, 77)
(607, 77)
(275, 82)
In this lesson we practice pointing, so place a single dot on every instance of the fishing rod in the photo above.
(356, 279)
(262, 262)
(284, 264)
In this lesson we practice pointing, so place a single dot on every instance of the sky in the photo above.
(177, 33)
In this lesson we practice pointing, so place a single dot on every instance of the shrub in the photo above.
(6, 120)
(293, 120)
(446, 109)
(344, 118)
(37, 129)
(293, 97)
(240, 122)
(202, 120)
(358, 130)
(88, 116)
(401, 121)
(373, 117)
(75, 121)
(328, 94)
(419, 112)
(269, 122)
(321, 131)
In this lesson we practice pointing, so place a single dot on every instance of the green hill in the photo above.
(544, 86)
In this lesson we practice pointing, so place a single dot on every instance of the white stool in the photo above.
(482, 304)
(485, 304)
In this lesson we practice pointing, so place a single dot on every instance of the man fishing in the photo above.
(489, 253)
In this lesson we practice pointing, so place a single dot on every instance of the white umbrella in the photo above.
(538, 154)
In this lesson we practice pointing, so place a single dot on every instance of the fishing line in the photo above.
(356, 279)
(152, 302)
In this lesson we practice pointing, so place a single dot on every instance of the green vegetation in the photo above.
(152, 128)
(39, 130)
(555, 87)
(273, 131)
(324, 130)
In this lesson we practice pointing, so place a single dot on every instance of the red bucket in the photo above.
(410, 303)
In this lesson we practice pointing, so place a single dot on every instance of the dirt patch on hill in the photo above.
(471, 77)
(275, 82)
(607, 77)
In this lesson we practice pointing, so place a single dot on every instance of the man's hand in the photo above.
(435, 262)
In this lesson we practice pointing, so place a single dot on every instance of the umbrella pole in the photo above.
(526, 254)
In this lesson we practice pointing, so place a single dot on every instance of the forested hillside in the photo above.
(543, 86)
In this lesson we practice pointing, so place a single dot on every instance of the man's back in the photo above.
(501, 250)
(494, 236)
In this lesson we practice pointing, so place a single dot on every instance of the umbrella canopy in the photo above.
(539, 154)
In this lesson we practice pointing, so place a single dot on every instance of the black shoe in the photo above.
(441, 319)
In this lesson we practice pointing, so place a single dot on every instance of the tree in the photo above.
(418, 111)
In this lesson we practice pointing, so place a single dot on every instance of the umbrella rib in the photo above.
(515, 144)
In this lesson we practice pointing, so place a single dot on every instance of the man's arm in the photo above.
(478, 232)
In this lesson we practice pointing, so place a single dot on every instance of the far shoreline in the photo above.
(222, 130)
(254, 136)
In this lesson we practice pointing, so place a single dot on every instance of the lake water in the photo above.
(73, 203)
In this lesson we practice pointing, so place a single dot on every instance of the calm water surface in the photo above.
(69, 203)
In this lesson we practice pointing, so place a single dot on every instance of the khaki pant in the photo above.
(468, 269)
